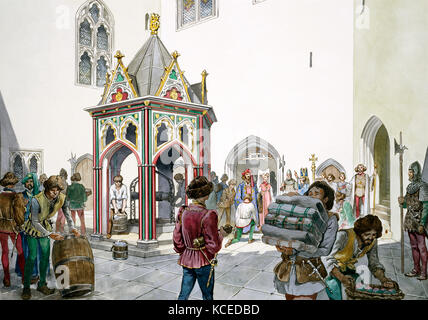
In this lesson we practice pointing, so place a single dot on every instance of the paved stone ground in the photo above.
(244, 272)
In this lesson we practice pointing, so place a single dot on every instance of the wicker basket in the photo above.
(363, 295)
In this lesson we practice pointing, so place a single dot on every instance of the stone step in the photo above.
(382, 208)
(133, 250)
(386, 203)
(160, 228)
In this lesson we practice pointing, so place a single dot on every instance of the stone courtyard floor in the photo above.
(244, 272)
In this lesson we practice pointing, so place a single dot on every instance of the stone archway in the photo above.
(330, 166)
(112, 160)
(256, 154)
(375, 149)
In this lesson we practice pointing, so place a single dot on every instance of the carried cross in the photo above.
(313, 159)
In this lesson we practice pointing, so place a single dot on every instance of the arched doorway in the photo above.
(330, 166)
(375, 150)
(115, 160)
(171, 160)
(255, 154)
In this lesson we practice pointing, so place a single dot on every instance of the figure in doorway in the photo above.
(118, 199)
(180, 194)
(330, 181)
(362, 185)
(415, 222)
(76, 195)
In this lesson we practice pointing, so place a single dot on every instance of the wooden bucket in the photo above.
(75, 254)
(120, 250)
(120, 223)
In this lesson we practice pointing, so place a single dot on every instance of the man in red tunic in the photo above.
(197, 240)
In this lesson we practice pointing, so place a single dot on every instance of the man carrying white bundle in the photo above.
(300, 275)
(245, 217)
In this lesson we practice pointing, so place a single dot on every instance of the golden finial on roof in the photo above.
(175, 55)
(118, 55)
(204, 76)
(154, 23)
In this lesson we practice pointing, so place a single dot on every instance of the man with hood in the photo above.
(32, 187)
(415, 221)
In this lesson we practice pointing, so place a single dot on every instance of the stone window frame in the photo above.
(107, 20)
(198, 20)
(26, 156)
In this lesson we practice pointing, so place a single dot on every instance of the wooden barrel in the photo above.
(120, 250)
(75, 254)
(120, 223)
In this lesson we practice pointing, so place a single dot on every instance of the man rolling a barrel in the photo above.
(350, 245)
(300, 275)
(38, 229)
(118, 197)
(197, 240)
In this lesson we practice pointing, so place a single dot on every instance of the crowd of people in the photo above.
(43, 198)
(351, 231)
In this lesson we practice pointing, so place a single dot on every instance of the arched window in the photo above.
(95, 27)
(184, 135)
(85, 67)
(190, 12)
(33, 164)
(162, 135)
(110, 137)
(101, 71)
(131, 133)
(18, 167)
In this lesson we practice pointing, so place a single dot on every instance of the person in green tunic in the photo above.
(76, 195)
(38, 229)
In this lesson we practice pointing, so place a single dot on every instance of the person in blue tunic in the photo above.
(247, 187)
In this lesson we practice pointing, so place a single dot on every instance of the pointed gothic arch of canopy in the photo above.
(179, 147)
(106, 179)
(240, 149)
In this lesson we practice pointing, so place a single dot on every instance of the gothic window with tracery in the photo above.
(101, 71)
(95, 26)
(110, 137)
(85, 67)
(131, 133)
(184, 135)
(190, 12)
(18, 167)
(162, 135)
(33, 164)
